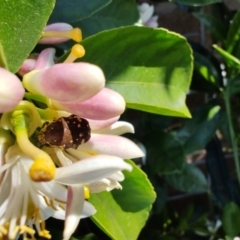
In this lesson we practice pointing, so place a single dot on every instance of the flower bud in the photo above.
(11, 90)
(66, 82)
(60, 32)
(27, 66)
(104, 105)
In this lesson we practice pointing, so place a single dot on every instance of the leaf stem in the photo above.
(232, 133)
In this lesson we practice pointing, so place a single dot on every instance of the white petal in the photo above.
(91, 169)
(118, 128)
(88, 210)
(74, 210)
(111, 145)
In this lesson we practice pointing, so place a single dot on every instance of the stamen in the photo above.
(43, 169)
(15, 232)
(74, 34)
(77, 51)
(3, 230)
(26, 229)
(86, 192)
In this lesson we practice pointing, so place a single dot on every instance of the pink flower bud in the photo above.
(45, 59)
(59, 33)
(104, 105)
(55, 27)
(27, 66)
(11, 90)
(66, 82)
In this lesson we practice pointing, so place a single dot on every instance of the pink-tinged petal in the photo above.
(111, 145)
(117, 128)
(91, 169)
(101, 124)
(11, 90)
(66, 82)
(45, 59)
(75, 201)
(27, 66)
(152, 22)
(55, 27)
(104, 105)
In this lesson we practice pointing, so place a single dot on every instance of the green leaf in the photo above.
(151, 68)
(207, 72)
(197, 2)
(165, 153)
(233, 85)
(231, 220)
(21, 25)
(196, 133)
(121, 214)
(230, 59)
(116, 14)
(216, 27)
(76, 10)
(190, 180)
(89, 236)
(233, 35)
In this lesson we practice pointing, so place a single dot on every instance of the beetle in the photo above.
(65, 132)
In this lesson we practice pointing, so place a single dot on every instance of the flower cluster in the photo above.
(52, 108)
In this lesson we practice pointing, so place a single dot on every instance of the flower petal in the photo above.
(111, 145)
(55, 27)
(91, 169)
(117, 128)
(74, 209)
(100, 124)
(11, 90)
(45, 59)
(66, 82)
(27, 66)
(104, 105)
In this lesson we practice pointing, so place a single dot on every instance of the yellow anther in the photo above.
(74, 34)
(45, 233)
(77, 51)
(42, 170)
(3, 230)
(27, 229)
(15, 232)
(86, 192)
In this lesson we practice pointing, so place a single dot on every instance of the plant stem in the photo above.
(232, 133)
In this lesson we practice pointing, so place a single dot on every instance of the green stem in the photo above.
(232, 133)
(35, 97)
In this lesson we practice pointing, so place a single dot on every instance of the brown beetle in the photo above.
(66, 132)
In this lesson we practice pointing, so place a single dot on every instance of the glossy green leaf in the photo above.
(215, 26)
(151, 68)
(89, 236)
(231, 220)
(117, 14)
(233, 85)
(76, 10)
(233, 35)
(190, 180)
(197, 2)
(206, 72)
(165, 153)
(230, 59)
(196, 133)
(121, 214)
(21, 25)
